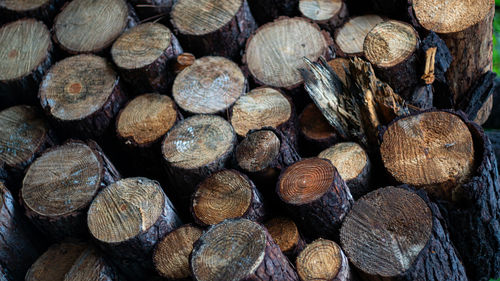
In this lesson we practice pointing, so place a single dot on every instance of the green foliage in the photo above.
(496, 37)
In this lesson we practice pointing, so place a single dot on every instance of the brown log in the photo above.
(323, 260)
(19, 246)
(43, 10)
(239, 249)
(60, 185)
(468, 34)
(211, 85)
(329, 14)
(71, 261)
(143, 55)
(316, 134)
(275, 52)
(316, 196)
(353, 164)
(25, 52)
(265, 11)
(395, 233)
(171, 254)
(226, 194)
(128, 218)
(285, 233)
(153, 9)
(218, 28)
(82, 94)
(349, 38)
(182, 61)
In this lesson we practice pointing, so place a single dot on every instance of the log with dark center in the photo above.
(239, 250)
(128, 218)
(349, 38)
(265, 11)
(60, 185)
(82, 94)
(315, 194)
(285, 233)
(143, 55)
(211, 85)
(25, 52)
(404, 228)
(329, 14)
(224, 195)
(171, 254)
(315, 131)
(208, 27)
(323, 260)
(43, 10)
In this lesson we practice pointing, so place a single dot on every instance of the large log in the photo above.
(44, 10)
(329, 14)
(349, 38)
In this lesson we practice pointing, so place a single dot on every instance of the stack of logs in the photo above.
(248, 140)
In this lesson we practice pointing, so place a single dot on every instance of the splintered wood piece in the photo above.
(128, 218)
(275, 52)
(171, 254)
(143, 55)
(353, 165)
(430, 61)
(71, 261)
(466, 29)
(323, 260)
(315, 131)
(82, 95)
(43, 10)
(430, 150)
(182, 61)
(316, 195)
(391, 47)
(210, 85)
(88, 26)
(60, 185)
(224, 195)
(404, 228)
(285, 233)
(152, 9)
(265, 11)
(239, 250)
(350, 37)
(329, 14)
(209, 27)
(25, 52)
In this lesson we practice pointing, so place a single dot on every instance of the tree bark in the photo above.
(329, 15)
(316, 134)
(286, 235)
(349, 38)
(45, 11)
(494, 118)
(478, 103)
(267, 11)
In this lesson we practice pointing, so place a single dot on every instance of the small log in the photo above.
(218, 28)
(211, 85)
(349, 38)
(82, 94)
(143, 55)
(323, 260)
(19, 246)
(25, 52)
(275, 52)
(43, 10)
(266, 11)
(285, 233)
(353, 165)
(316, 196)
(329, 14)
(239, 250)
(391, 47)
(171, 254)
(224, 195)
(88, 26)
(71, 261)
(316, 134)
(128, 218)
(60, 185)
(153, 9)
(182, 61)
(404, 228)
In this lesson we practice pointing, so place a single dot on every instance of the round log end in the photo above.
(320, 260)
(284, 232)
(258, 150)
(313, 125)
(351, 36)
(21, 6)
(321, 10)
(349, 158)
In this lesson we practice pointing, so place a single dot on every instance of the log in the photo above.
(19, 245)
(182, 61)
(43, 10)
(71, 261)
(88, 26)
(218, 28)
(60, 185)
(316, 134)
(494, 137)
(353, 164)
(275, 52)
(468, 34)
(265, 11)
(329, 14)
(153, 9)
(323, 260)
(226, 194)
(493, 121)
(211, 85)
(239, 250)
(315, 195)
(25, 52)
(404, 228)
(285, 233)
(128, 218)
(143, 55)
(341, 67)
(391, 47)
(82, 94)
(478, 103)
(171, 254)
(349, 38)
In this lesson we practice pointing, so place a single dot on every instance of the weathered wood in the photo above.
(316, 134)
(349, 37)
(44, 10)
(329, 14)
(265, 11)
(494, 118)
(285, 233)
(478, 103)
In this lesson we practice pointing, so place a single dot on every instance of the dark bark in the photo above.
(45, 12)
(477, 104)
(266, 11)
(494, 137)
(153, 9)
(494, 119)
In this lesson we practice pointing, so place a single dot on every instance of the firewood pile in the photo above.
(242, 140)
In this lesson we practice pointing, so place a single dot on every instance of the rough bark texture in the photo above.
(478, 102)
(44, 12)
(494, 119)
(266, 11)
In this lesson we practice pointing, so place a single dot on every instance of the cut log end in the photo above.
(23, 5)
(322, 260)
(350, 37)
(183, 60)
(322, 10)
(258, 150)
(340, 66)
(314, 126)
(284, 233)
